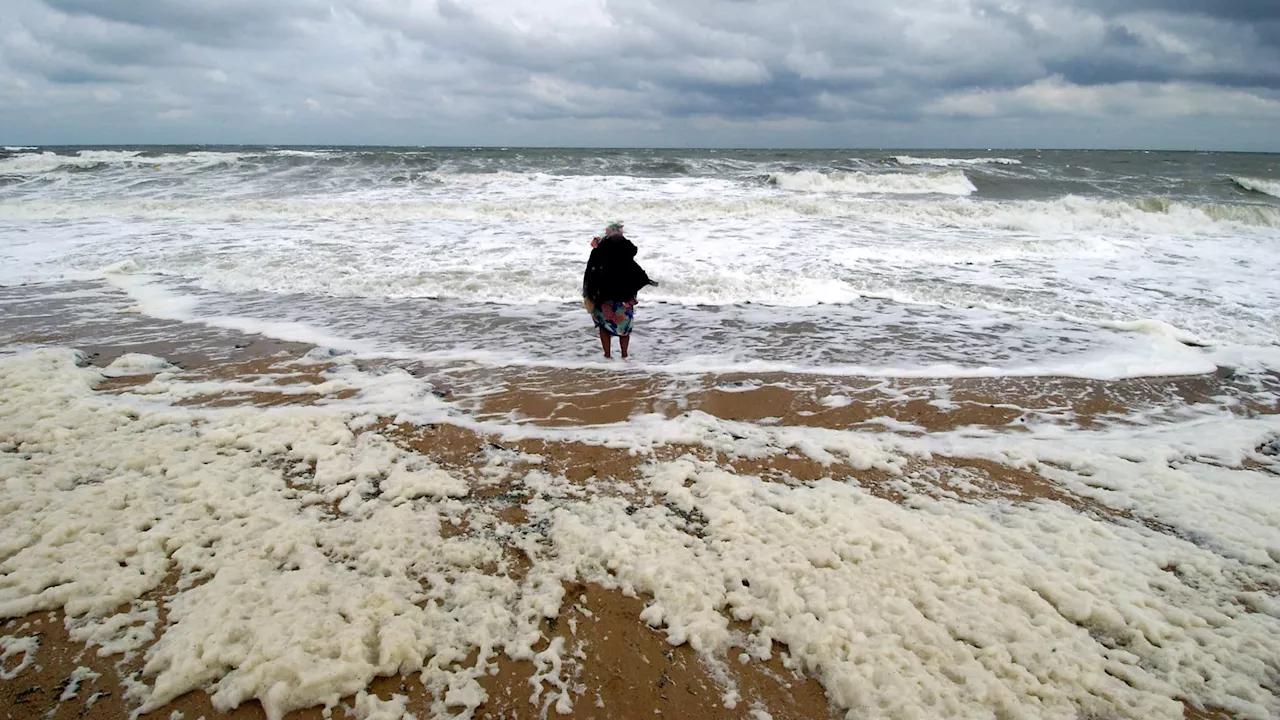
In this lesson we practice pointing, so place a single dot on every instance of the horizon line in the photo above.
(469, 146)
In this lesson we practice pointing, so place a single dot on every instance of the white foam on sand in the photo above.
(136, 364)
(371, 707)
(836, 401)
(1096, 617)
(77, 677)
(309, 557)
(942, 610)
(302, 610)
(10, 647)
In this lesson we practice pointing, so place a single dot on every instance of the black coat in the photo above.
(612, 273)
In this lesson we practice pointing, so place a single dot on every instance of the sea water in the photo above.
(1097, 264)
(1148, 578)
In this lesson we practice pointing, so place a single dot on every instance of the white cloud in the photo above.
(726, 71)
(1055, 96)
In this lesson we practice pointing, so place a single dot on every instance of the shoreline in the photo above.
(626, 662)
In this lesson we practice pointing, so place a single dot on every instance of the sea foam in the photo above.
(935, 605)
(30, 163)
(1260, 185)
(954, 162)
(928, 183)
(1066, 214)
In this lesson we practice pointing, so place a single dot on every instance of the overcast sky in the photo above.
(1190, 74)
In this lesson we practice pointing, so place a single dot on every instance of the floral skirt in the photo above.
(614, 317)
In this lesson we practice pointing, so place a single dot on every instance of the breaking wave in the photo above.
(31, 163)
(954, 162)
(1196, 213)
(928, 183)
(1142, 216)
(1260, 185)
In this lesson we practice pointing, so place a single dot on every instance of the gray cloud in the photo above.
(1248, 11)
(654, 72)
(216, 22)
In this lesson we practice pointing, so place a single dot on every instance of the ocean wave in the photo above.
(927, 183)
(1196, 213)
(1074, 214)
(657, 167)
(285, 152)
(954, 162)
(1107, 347)
(791, 281)
(1259, 185)
(20, 148)
(1125, 348)
(49, 162)
(40, 163)
(1067, 215)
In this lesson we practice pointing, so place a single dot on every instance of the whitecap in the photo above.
(1260, 185)
(927, 183)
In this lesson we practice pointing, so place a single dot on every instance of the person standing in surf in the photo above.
(609, 287)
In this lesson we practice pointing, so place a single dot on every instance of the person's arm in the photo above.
(643, 277)
(590, 276)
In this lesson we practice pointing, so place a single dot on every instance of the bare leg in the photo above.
(624, 341)
(606, 341)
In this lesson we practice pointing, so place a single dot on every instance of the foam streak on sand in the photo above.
(313, 553)
(13, 646)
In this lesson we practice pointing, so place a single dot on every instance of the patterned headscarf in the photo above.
(610, 230)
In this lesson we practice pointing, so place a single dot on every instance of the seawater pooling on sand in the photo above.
(949, 434)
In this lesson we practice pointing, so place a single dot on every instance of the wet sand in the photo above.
(624, 669)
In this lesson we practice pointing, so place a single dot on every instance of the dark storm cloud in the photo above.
(398, 70)
(83, 75)
(1248, 11)
(1105, 70)
(742, 64)
(1183, 42)
(80, 56)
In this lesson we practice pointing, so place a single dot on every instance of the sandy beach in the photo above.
(205, 524)
(325, 432)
